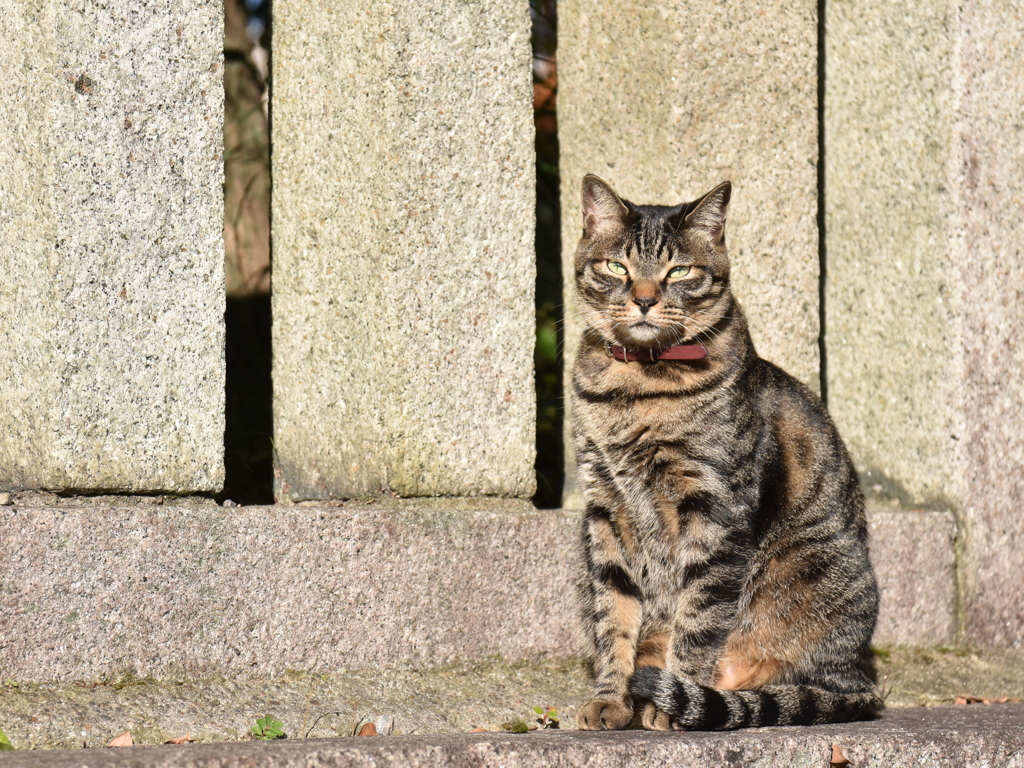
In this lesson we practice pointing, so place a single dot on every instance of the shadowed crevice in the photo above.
(550, 461)
(822, 248)
(248, 447)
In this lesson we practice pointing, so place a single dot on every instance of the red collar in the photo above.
(678, 352)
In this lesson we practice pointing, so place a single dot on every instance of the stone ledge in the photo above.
(92, 590)
(946, 737)
(198, 590)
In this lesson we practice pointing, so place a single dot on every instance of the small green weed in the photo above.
(5, 743)
(548, 717)
(268, 728)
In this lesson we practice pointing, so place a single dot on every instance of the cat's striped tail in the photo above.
(698, 707)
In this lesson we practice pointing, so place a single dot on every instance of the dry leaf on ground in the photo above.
(838, 758)
(975, 700)
(124, 740)
(368, 730)
(186, 739)
(478, 729)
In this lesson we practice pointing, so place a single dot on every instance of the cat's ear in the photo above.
(603, 210)
(711, 211)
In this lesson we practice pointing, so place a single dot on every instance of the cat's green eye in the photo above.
(679, 271)
(617, 268)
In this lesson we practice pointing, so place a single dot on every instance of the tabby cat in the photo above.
(725, 576)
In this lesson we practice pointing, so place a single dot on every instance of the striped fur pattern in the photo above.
(725, 579)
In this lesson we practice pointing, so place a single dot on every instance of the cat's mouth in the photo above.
(644, 333)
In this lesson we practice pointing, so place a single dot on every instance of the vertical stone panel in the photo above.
(664, 100)
(111, 250)
(403, 249)
(892, 296)
(990, 85)
(925, 188)
(28, 258)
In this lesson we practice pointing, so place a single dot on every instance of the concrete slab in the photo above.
(450, 699)
(111, 246)
(928, 677)
(193, 590)
(915, 563)
(990, 84)
(947, 738)
(664, 100)
(892, 300)
(91, 588)
(924, 309)
(404, 269)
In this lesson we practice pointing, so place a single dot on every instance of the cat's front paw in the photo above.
(604, 715)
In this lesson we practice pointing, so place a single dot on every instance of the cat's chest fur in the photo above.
(675, 454)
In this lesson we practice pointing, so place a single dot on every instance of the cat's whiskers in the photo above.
(709, 333)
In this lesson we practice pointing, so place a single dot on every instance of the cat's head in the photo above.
(650, 276)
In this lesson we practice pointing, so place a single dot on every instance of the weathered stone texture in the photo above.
(403, 249)
(666, 100)
(894, 346)
(194, 590)
(111, 251)
(199, 590)
(991, 159)
(925, 185)
(913, 556)
(28, 259)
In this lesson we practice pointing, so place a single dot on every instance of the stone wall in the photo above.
(924, 192)
(403, 249)
(111, 250)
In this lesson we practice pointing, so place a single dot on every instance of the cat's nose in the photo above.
(645, 302)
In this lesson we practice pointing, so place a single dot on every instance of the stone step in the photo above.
(942, 737)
